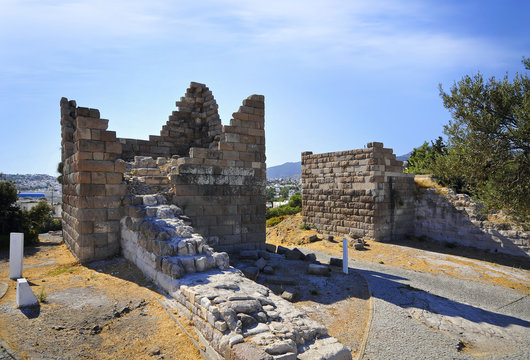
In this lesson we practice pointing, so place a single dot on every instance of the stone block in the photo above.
(91, 123)
(94, 165)
(25, 296)
(90, 145)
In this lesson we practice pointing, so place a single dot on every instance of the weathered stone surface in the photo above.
(247, 351)
(270, 247)
(281, 347)
(281, 250)
(294, 254)
(316, 269)
(261, 263)
(335, 262)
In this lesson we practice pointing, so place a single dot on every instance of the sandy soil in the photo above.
(107, 310)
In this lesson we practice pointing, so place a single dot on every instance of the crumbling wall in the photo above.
(218, 177)
(196, 123)
(364, 193)
(92, 183)
(444, 216)
(361, 193)
(222, 190)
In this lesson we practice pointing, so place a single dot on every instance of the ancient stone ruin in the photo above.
(215, 173)
(171, 205)
(364, 193)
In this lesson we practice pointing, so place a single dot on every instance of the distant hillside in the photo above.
(404, 157)
(287, 170)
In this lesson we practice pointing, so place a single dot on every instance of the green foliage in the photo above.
(270, 194)
(305, 227)
(60, 171)
(14, 219)
(488, 152)
(274, 221)
(295, 201)
(42, 296)
(422, 159)
(282, 210)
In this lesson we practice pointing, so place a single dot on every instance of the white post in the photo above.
(16, 254)
(344, 255)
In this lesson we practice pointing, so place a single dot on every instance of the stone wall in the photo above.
(362, 193)
(444, 216)
(92, 183)
(218, 175)
(223, 189)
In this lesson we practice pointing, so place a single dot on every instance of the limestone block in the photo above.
(25, 296)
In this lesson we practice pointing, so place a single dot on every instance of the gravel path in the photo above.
(423, 316)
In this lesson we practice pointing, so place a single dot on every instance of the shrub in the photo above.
(275, 221)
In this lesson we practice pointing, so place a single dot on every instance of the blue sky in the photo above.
(335, 74)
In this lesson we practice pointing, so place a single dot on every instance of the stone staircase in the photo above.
(230, 312)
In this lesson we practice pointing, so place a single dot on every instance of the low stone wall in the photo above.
(361, 193)
(364, 193)
(444, 216)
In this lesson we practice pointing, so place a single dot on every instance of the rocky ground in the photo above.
(106, 310)
(430, 300)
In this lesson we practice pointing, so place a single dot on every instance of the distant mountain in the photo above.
(287, 170)
(404, 157)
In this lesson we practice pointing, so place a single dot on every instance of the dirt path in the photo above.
(459, 262)
(104, 311)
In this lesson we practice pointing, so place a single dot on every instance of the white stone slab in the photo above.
(16, 255)
(25, 296)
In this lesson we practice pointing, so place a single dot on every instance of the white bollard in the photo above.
(16, 255)
(344, 255)
(25, 296)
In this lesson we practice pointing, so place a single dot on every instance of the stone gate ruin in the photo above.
(364, 193)
(170, 205)
(215, 173)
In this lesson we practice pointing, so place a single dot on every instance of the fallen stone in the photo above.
(257, 329)
(268, 270)
(335, 262)
(237, 339)
(329, 237)
(249, 254)
(247, 351)
(290, 296)
(246, 306)
(313, 238)
(270, 248)
(261, 263)
(294, 254)
(286, 356)
(150, 200)
(315, 269)
(358, 246)
(281, 347)
(281, 250)
(251, 272)
(280, 280)
(247, 320)
(311, 257)
(264, 254)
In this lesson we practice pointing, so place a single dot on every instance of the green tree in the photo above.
(12, 218)
(489, 140)
(422, 159)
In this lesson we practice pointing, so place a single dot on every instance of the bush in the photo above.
(275, 221)
(282, 210)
